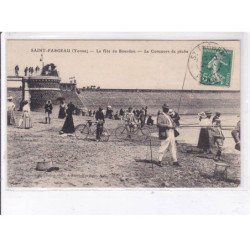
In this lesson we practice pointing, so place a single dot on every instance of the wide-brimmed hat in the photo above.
(165, 106)
(171, 111)
(202, 115)
(10, 98)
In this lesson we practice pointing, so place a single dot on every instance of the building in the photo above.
(39, 88)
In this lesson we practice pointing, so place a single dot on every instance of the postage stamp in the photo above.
(216, 66)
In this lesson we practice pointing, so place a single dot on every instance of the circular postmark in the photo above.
(197, 55)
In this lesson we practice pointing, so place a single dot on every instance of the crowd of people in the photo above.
(28, 71)
(211, 138)
(140, 115)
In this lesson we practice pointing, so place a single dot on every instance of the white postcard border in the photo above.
(131, 200)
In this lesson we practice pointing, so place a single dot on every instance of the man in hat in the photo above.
(99, 116)
(166, 135)
(217, 116)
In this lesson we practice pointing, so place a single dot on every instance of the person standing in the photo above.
(130, 121)
(204, 137)
(17, 70)
(37, 70)
(122, 113)
(142, 117)
(10, 111)
(166, 135)
(218, 137)
(68, 126)
(236, 135)
(217, 116)
(99, 116)
(62, 110)
(48, 111)
(31, 71)
(26, 71)
(25, 121)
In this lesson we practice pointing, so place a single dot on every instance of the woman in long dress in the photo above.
(25, 121)
(204, 137)
(62, 110)
(10, 111)
(68, 126)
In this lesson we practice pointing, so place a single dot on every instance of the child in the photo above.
(48, 111)
(218, 137)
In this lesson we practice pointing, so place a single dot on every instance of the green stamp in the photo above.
(216, 67)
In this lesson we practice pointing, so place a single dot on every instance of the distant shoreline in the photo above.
(149, 90)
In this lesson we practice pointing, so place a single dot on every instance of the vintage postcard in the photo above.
(123, 113)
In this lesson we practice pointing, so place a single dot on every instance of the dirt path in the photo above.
(86, 163)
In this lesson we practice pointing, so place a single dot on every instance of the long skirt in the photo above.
(68, 126)
(62, 113)
(25, 121)
(204, 140)
(11, 118)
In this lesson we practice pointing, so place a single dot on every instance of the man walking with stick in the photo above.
(166, 135)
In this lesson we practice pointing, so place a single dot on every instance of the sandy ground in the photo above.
(86, 163)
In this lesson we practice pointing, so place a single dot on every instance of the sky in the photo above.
(122, 64)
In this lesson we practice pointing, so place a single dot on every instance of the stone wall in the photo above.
(39, 98)
(42, 89)
(192, 102)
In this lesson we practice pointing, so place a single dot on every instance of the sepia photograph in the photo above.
(124, 125)
(123, 113)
